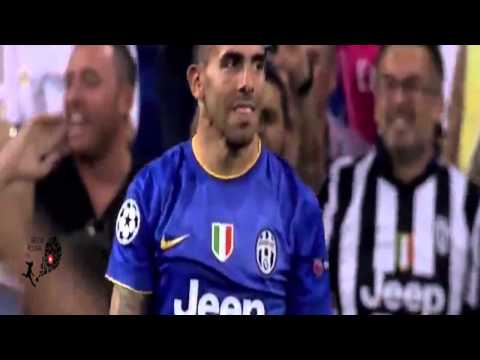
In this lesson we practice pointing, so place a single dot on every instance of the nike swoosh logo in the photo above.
(168, 244)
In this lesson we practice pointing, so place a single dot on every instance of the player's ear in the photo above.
(195, 81)
(126, 99)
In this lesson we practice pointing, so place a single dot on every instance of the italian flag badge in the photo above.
(222, 241)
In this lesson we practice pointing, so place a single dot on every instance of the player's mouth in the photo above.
(76, 118)
(76, 123)
(244, 107)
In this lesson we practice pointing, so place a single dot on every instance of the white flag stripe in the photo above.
(221, 239)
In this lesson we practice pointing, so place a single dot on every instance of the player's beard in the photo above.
(219, 121)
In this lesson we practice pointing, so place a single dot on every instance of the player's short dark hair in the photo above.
(126, 66)
(201, 53)
(272, 76)
(435, 55)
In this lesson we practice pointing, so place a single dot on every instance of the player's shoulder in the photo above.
(282, 169)
(161, 170)
(292, 184)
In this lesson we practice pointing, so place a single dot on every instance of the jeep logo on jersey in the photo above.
(128, 222)
(210, 304)
(222, 241)
(266, 251)
(414, 297)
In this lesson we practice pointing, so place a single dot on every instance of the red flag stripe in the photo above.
(229, 240)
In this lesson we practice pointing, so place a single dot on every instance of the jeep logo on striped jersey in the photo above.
(222, 241)
(414, 297)
(210, 304)
(266, 252)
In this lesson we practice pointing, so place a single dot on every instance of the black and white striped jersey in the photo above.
(398, 249)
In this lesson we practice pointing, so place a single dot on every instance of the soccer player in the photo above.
(219, 225)
(402, 226)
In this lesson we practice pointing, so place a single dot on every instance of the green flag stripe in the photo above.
(216, 239)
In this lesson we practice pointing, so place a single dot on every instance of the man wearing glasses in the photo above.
(402, 227)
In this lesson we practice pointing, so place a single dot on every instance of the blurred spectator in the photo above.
(355, 131)
(308, 71)
(402, 226)
(276, 125)
(23, 158)
(79, 200)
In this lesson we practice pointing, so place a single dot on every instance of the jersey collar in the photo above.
(383, 166)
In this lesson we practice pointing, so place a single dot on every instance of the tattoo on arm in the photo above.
(127, 302)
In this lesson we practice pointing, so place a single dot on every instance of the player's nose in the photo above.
(246, 82)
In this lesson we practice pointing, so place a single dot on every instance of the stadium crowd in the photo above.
(382, 140)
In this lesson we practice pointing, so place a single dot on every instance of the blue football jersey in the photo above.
(203, 245)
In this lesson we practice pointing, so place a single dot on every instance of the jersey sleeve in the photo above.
(132, 257)
(309, 287)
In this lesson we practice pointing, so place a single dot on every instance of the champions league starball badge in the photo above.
(128, 222)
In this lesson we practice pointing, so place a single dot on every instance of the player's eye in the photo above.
(260, 65)
(231, 61)
(91, 78)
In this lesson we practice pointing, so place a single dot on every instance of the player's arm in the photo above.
(131, 266)
(128, 302)
(309, 286)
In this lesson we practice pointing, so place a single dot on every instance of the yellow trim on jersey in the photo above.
(223, 177)
(116, 282)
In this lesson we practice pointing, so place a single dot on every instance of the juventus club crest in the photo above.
(266, 251)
